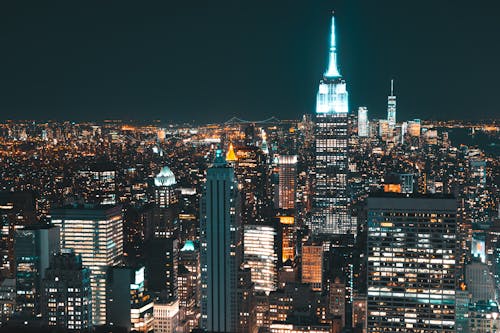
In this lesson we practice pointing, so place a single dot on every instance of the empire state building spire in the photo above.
(332, 71)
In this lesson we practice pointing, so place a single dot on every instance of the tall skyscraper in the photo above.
(391, 110)
(363, 122)
(96, 233)
(287, 183)
(411, 263)
(66, 293)
(331, 201)
(220, 247)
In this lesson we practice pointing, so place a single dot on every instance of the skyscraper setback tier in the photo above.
(331, 201)
(411, 263)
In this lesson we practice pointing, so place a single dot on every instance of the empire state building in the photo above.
(331, 199)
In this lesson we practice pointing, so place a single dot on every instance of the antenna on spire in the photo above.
(392, 87)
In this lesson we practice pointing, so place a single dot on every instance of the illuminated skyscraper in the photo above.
(165, 188)
(260, 255)
(363, 122)
(166, 200)
(220, 247)
(287, 181)
(95, 233)
(391, 110)
(331, 200)
(412, 263)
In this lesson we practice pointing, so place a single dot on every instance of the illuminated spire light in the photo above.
(231, 156)
(332, 71)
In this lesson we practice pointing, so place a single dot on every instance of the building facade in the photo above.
(331, 200)
(220, 247)
(95, 233)
(411, 264)
(66, 294)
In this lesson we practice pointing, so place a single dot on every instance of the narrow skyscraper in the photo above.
(220, 247)
(363, 121)
(391, 110)
(331, 200)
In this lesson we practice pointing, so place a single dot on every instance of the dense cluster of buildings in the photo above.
(334, 223)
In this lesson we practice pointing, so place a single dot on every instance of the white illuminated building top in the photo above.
(165, 178)
(332, 93)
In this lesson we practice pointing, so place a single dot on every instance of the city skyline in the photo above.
(128, 63)
(342, 219)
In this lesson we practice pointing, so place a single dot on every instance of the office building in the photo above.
(33, 248)
(391, 111)
(288, 238)
(331, 200)
(66, 294)
(220, 247)
(363, 125)
(128, 304)
(97, 184)
(95, 233)
(287, 182)
(312, 265)
(411, 263)
(161, 266)
(166, 316)
(414, 127)
(260, 254)
(480, 281)
(189, 285)
(483, 316)
(7, 300)
(337, 302)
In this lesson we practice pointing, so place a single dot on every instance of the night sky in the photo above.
(211, 60)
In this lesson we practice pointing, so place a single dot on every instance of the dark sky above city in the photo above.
(211, 60)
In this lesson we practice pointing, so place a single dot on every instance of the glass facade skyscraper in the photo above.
(331, 200)
(391, 110)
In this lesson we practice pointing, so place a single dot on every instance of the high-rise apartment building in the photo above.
(412, 262)
(66, 294)
(95, 233)
(363, 130)
(220, 247)
(331, 200)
